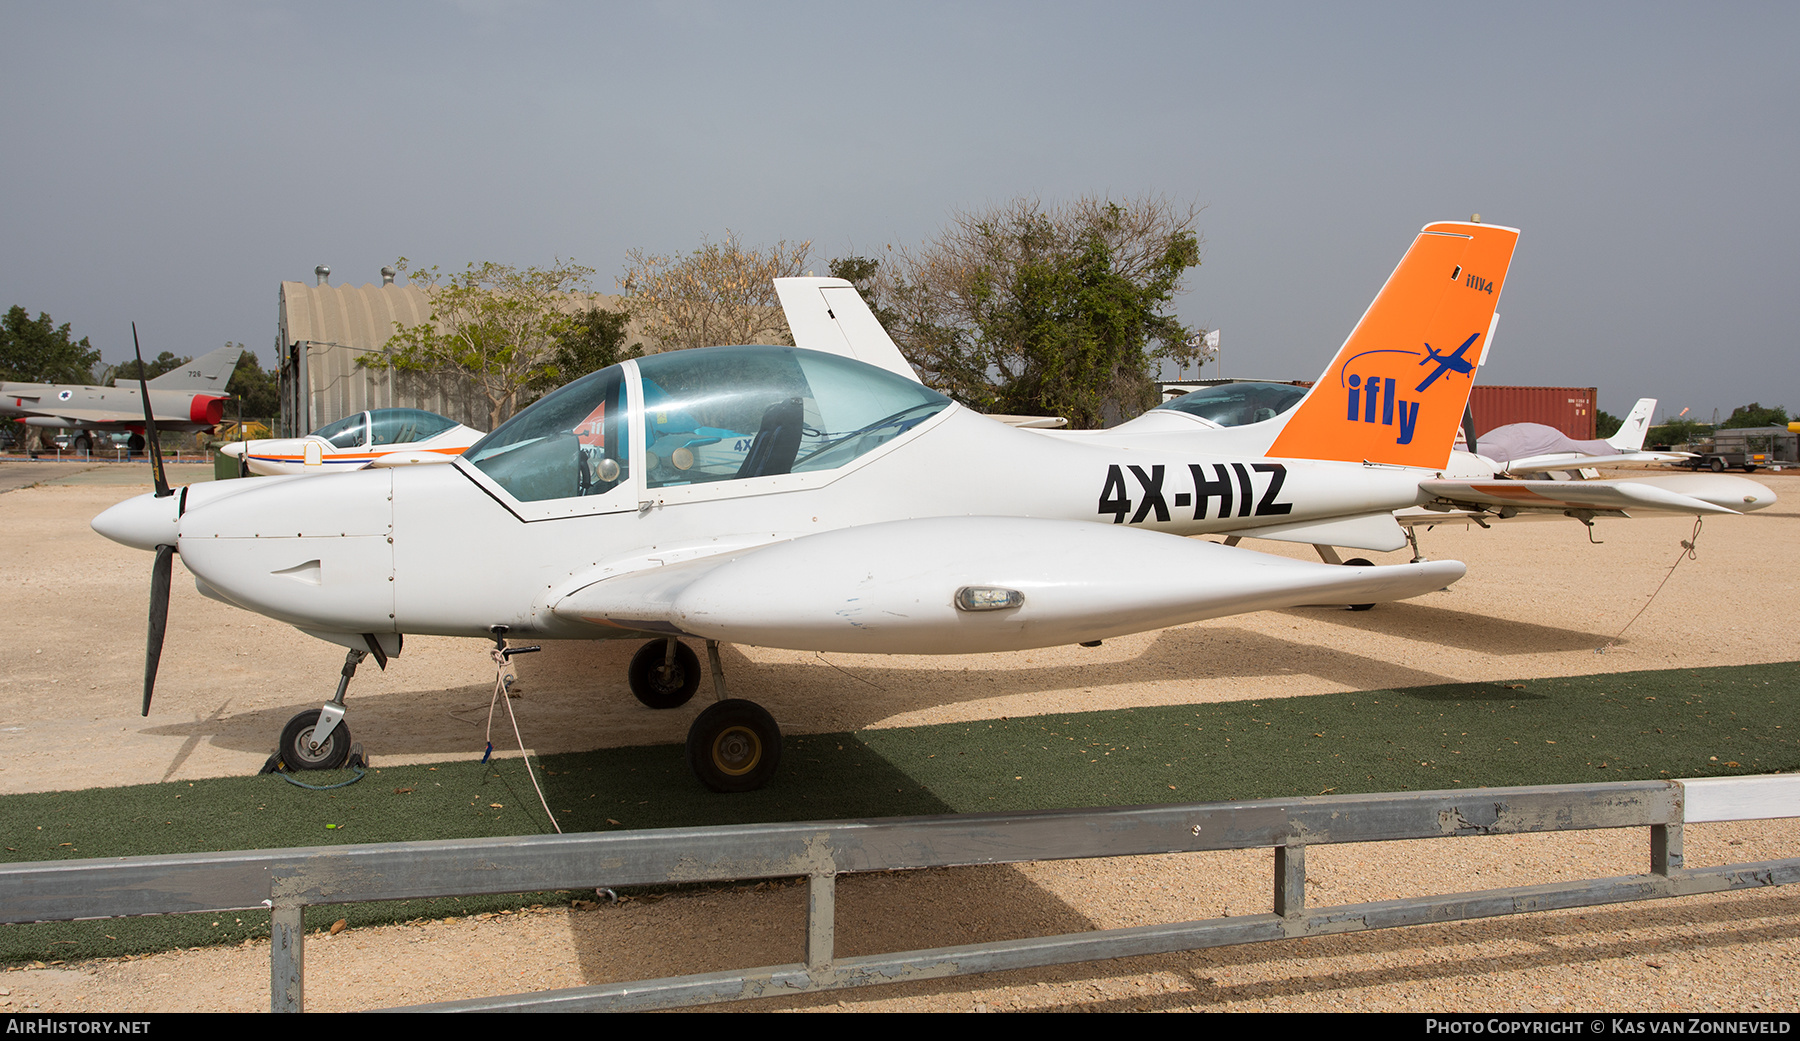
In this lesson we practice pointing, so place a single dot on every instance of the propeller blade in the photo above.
(159, 618)
(156, 463)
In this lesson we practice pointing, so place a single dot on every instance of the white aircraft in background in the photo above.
(382, 437)
(191, 397)
(1528, 448)
(867, 513)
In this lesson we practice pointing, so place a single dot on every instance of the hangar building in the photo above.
(324, 329)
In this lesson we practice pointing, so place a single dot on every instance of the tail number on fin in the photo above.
(1230, 485)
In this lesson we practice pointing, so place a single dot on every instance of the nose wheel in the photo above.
(300, 750)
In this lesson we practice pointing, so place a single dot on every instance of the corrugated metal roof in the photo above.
(362, 317)
(338, 324)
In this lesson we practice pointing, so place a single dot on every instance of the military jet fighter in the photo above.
(865, 512)
(191, 397)
(381, 437)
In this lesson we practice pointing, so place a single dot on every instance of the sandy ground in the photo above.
(1540, 600)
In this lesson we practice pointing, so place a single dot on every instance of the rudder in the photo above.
(1396, 390)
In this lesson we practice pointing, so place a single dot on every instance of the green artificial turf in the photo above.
(1624, 726)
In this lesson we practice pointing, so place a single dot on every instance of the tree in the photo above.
(1678, 432)
(258, 390)
(1033, 309)
(36, 351)
(493, 326)
(1606, 424)
(594, 340)
(1754, 415)
(128, 370)
(720, 293)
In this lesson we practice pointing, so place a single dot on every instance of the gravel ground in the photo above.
(1539, 601)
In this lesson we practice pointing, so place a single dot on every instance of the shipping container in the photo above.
(1568, 409)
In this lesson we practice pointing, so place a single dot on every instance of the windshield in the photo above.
(727, 413)
(347, 432)
(1238, 404)
(573, 441)
(403, 426)
(712, 414)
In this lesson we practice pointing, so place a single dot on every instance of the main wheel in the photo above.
(83, 444)
(296, 744)
(1360, 562)
(734, 746)
(660, 686)
(1716, 465)
(134, 445)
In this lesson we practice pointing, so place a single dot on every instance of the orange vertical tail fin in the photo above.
(1396, 391)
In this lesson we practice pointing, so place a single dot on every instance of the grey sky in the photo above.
(172, 162)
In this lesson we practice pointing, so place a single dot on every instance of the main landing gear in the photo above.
(733, 745)
(1329, 555)
(319, 739)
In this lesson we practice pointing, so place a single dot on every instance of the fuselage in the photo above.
(114, 408)
(445, 550)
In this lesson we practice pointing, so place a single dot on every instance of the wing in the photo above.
(955, 585)
(87, 417)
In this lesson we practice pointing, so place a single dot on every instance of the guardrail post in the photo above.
(1665, 849)
(1290, 879)
(287, 935)
(821, 920)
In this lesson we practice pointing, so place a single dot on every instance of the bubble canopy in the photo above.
(709, 415)
(1238, 404)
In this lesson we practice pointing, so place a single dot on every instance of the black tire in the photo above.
(658, 687)
(1749, 468)
(83, 444)
(1360, 562)
(134, 445)
(1716, 465)
(298, 733)
(734, 746)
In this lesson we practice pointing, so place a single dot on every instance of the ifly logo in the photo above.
(1374, 398)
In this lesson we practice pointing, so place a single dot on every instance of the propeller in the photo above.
(165, 555)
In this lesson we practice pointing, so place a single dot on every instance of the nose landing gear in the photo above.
(319, 739)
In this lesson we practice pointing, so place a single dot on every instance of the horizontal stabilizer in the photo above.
(1562, 496)
(893, 588)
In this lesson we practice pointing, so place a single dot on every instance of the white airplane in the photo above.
(866, 514)
(1526, 448)
(382, 437)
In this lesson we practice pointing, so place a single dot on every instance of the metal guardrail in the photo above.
(288, 880)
